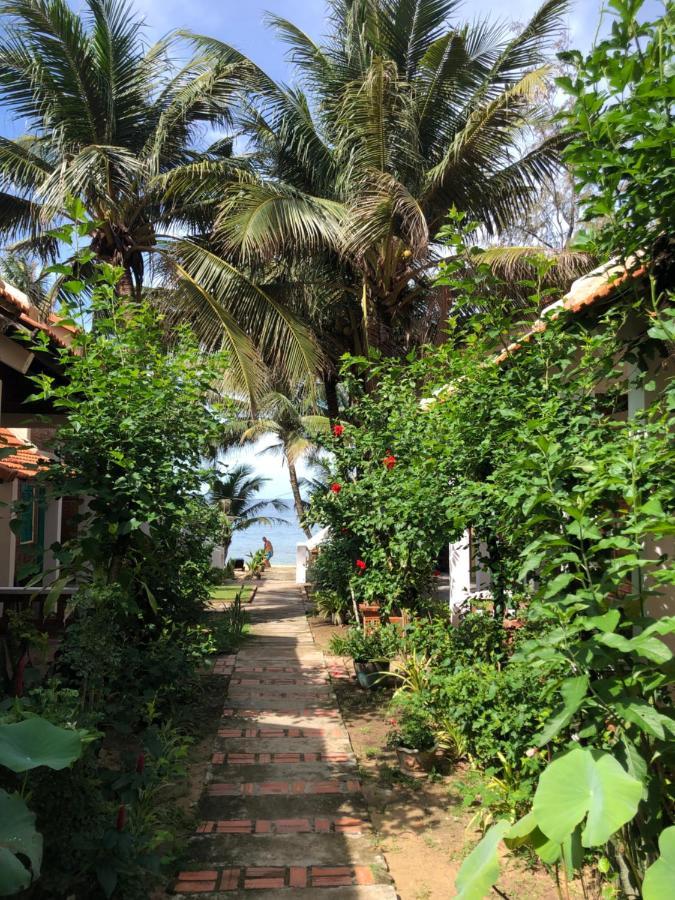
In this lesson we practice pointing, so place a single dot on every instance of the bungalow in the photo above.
(588, 296)
(25, 431)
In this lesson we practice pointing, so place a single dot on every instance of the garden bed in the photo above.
(425, 827)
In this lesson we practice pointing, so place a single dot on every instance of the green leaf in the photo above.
(480, 870)
(526, 831)
(17, 835)
(646, 718)
(573, 691)
(107, 878)
(558, 584)
(660, 876)
(645, 645)
(54, 594)
(582, 783)
(606, 622)
(36, 742)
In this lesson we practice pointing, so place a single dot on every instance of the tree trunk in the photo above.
(330, 384)
(297, 497)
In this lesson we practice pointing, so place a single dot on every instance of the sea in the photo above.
(284, 537)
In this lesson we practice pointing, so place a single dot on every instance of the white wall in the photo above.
(9, 493)
(52, 536)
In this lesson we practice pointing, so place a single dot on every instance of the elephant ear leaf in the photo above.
(480, 870)
(585, 783)
(36, 742)
(660, 876)
(17, 836)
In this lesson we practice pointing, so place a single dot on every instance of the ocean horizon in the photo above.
(284, 537)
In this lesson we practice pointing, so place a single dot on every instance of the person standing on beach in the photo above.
(269, 552)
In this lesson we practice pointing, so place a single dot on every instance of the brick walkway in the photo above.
(282, 810)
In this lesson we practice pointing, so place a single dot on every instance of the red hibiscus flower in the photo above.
(335, 487)
(338, 430)
(389, 461)
(361, 565)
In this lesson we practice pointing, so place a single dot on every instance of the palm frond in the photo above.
(408, 29)
(246, 371)
(283, 342)
(514, 264)
(260, 219)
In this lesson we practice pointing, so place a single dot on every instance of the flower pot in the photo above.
(369, 609)
(416, 762)
(369, 674)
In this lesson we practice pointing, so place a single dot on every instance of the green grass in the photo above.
(226, 592)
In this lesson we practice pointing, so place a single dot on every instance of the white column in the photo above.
(218, 557)
(301, 562)
(53, 517)
(9, 494)
(460, 573)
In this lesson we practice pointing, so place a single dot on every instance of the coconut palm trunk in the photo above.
(297, 496)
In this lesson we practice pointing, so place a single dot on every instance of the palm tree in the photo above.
(113, 125)
(400, 114)
(293, 427)
(24, 272)
(235, 492)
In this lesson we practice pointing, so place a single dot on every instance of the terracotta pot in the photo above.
(416, 762)
(369, 609)
(369, 674)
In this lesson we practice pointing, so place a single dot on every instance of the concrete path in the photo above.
(283, 812)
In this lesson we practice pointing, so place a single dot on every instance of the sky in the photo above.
(241, 23)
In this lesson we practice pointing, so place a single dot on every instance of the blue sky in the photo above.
(241, 22)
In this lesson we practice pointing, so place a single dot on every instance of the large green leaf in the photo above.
(480, 870)
(36, 742)
(584, 783)
(17, 835)
(573, 691)
(645, 644)
(526, 831)
(660, 876)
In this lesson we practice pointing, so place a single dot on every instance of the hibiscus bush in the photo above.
(386, 506)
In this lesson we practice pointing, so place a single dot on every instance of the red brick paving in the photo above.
(260, 877)
(255, 675)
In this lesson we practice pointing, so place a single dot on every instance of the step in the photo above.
(362, 892)
(274, 807)
(327, 731)
(269, 877)
(323, 849)
(297, 715)
(336, 823)
(266, 764)
(273, 745)
(286, 786)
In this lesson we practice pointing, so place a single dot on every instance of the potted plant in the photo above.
(414, 738)
(369, 608)
(256, 564)
(372, 653)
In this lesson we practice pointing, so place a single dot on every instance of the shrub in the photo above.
(332, 606)
(413, 724)
(380, 644)
(499, 711)
(331, 569)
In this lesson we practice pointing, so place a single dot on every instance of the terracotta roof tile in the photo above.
(30, 315)
(592, 288)
(25, 462)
